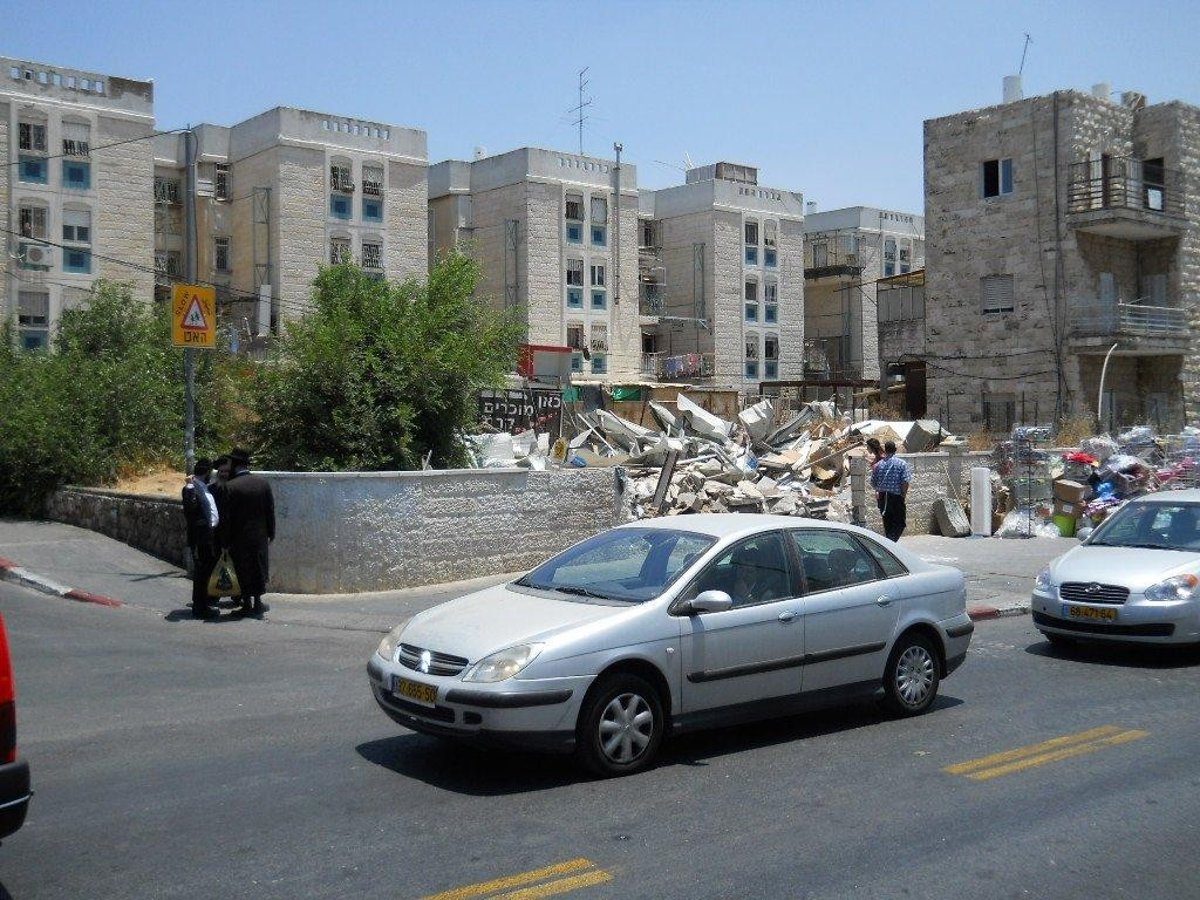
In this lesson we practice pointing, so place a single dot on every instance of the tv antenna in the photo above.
(1024, 50)
(580, 118)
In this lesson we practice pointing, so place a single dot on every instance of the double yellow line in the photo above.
(546, 882)
(1010, 761)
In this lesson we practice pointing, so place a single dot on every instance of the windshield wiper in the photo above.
(580, 591)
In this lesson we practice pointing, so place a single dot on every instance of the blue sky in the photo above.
(826, 98)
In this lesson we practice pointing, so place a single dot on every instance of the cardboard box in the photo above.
(1070, 491)
(1067, 509)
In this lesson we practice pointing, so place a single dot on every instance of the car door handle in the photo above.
(787, 616)
(885, 600)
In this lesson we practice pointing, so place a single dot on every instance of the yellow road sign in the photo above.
(194, 319)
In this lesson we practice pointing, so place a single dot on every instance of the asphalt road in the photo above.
(246, 759)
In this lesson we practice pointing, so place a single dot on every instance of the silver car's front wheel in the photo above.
(620, 726)
(911, 679)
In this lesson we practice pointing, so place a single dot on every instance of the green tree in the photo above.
(379, 375)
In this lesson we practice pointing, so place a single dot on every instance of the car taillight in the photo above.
(8, 732)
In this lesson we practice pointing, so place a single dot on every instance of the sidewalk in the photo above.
(78, 564)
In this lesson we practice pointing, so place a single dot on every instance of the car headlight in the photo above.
(504, 664)
(387, 647)
(1181, 587)
(1044, 583)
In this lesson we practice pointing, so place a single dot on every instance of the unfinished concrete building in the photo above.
(721, 272)
(1061, 232)
(846, 251)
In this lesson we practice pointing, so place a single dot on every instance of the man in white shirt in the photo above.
(200, 512)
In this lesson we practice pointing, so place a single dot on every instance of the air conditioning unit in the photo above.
(36, 255)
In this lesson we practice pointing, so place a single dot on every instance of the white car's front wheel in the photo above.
(620, 727)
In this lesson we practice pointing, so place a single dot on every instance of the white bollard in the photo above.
(981, 501)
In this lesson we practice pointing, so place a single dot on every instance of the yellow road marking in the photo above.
(591, 875)
(988, 767)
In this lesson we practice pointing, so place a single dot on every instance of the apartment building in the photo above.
(846, 252)
(282, 193)
(1062, 235)
(556, 235)
(76, 150)
(721, 279)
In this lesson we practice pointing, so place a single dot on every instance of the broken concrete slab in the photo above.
(757, 419)
(951, 520)
(701, 421)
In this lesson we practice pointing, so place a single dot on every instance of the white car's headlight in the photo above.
(1181, 587)
(504, 664)
(387, 647)
(1044, 583)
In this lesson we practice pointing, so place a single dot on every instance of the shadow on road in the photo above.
(1129, 656)
(481, 772)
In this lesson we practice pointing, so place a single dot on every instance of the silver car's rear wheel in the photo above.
(911, 679)
(620, 726)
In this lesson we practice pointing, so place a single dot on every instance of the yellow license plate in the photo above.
(1091, 612)
(411, 690)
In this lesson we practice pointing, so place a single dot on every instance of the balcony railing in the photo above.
(678, 366)
(1123, 182)
(1099, 318)
(652, 299)
(831, 253)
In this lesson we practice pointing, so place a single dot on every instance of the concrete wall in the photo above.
(372, 531)
(935, 475)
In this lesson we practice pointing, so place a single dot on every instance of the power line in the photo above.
(134, 140)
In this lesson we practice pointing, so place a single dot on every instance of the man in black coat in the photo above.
(247, 529)
(200, 513)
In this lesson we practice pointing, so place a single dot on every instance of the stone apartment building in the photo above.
(1062, 229)
(721, 280)
(556, 237)
(76, 150)
(846, 252)
(282, 193)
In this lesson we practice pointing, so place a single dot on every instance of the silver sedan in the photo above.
(1135, 578)
(672, 624)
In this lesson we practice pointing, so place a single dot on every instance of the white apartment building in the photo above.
(846, 252)
(721, 271)
(556, 237)
(76, 151)
(282, 193)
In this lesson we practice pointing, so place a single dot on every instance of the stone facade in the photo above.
(1086, 231)
(81, 196)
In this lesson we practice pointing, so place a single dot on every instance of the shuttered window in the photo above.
(996, 292)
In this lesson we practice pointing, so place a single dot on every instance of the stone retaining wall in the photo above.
(935, 475)
(151, 522)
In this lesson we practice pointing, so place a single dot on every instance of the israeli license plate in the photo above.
(1101, 614)
(411, 690)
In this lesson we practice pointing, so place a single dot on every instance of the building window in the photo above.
(221, 260)
(575, 272)
(372, 210)
(372, 181)
(770, 259)
(372, 255)
(599, 364)
(574, 298)
(77, 139)
(77, 226)
(996, 293)
(77, 175)
(600, 221)
(600, 235)
(166, 190)
(31, 136)
(905, 255)
(32, 222)
(889, 257)
(574, 233)
(32, 169)
(751, 297)
(771, 313)
(997, 177)
(650, 234)
(339, 250)
(751, 368)
(77, 262)
(340, 207)
(221, 182)
(576, 362)
(597, 275)
(575, 207)
(33, 319)
(167, 262)
(599, 300)
(751, 238)
(575, 336)
(340, 179)
(599, 342)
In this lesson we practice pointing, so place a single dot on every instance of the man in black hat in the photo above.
(200, 513)
(247, 529)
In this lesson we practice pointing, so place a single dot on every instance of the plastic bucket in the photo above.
(1065, 524)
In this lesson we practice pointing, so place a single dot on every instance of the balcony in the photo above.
(1126, 198)
(831, 254)
(1139, 329)
(652, 298)
(678, 367)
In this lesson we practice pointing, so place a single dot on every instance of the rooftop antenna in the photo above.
(1024, 50)
(580, 118)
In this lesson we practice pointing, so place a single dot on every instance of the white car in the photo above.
(1136, 577)
(672, 624)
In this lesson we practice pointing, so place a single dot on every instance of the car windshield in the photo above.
(1153, 526)
(630, 565)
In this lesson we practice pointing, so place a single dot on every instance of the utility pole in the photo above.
(616, 230)
(583, 104)
(189, 354)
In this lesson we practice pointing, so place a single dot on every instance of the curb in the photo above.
(10, 571)
(982, 613)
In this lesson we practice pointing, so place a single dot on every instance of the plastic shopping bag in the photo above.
(223, 582)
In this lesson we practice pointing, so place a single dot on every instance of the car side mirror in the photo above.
(710, 601)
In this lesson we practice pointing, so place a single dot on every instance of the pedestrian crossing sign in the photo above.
(194, 319)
